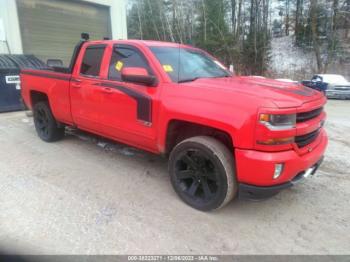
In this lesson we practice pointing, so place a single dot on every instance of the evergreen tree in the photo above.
(256, 46)
(212, 32)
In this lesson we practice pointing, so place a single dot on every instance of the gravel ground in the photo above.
(84, 195)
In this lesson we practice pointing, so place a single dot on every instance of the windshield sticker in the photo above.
(119, 65)
(168, 68)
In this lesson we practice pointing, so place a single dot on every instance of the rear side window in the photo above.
(126, 57)
(91, 64)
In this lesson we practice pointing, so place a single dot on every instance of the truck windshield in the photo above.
(186, 64)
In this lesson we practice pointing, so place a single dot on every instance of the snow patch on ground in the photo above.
(289, 61)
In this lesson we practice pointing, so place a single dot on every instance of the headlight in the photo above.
(278, 122)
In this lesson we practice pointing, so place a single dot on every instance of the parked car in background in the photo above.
(333, 86)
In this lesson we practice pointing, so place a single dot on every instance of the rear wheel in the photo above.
(45, 123)
(202, 173)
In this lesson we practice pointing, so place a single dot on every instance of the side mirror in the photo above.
(54, 63)
(138, 75)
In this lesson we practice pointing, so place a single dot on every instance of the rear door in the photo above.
(86, 94)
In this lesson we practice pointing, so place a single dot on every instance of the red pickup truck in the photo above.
(225, 135)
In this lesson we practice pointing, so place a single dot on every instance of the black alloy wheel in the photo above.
(42, 122)
(196, 175)
(45, 124)
(202, 173)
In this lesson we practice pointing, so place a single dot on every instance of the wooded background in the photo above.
(240, 32)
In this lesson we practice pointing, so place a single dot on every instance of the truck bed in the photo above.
(54, 84)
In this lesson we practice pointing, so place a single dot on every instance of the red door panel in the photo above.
(85, 102)
(127, 112)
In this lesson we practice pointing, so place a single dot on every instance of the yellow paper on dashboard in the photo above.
(168, 68)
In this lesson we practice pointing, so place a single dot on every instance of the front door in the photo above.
(128, 109)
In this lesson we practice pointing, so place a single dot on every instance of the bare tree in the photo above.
(153, 22)
(140, 19)
(347, 18)
(332, 36)
(161, 15)
(233, 16)
(205, 21)
(287, 16)
(298, 17)
(315, 40)
(239, 19)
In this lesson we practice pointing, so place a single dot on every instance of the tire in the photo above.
(199, 164)
(45, 123)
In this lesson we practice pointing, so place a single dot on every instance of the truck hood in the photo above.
(282, 94)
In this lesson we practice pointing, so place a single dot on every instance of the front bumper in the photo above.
(255, 169)
(246, 191)
(342, 94)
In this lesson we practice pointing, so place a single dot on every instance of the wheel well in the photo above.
(181, 130)
(36, 97)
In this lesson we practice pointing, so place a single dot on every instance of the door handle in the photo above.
(76, 83)
(107, 90)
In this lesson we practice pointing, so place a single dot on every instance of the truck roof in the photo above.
(142, 42)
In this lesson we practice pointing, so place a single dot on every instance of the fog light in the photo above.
(278, 170)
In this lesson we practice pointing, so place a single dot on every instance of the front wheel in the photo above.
(45, 123)
(202, 173)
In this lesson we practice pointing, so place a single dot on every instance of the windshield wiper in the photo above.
(188, 79)
(222, 76)
(197, 77)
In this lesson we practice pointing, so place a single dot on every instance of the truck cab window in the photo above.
(125, 57)
(92, 60)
